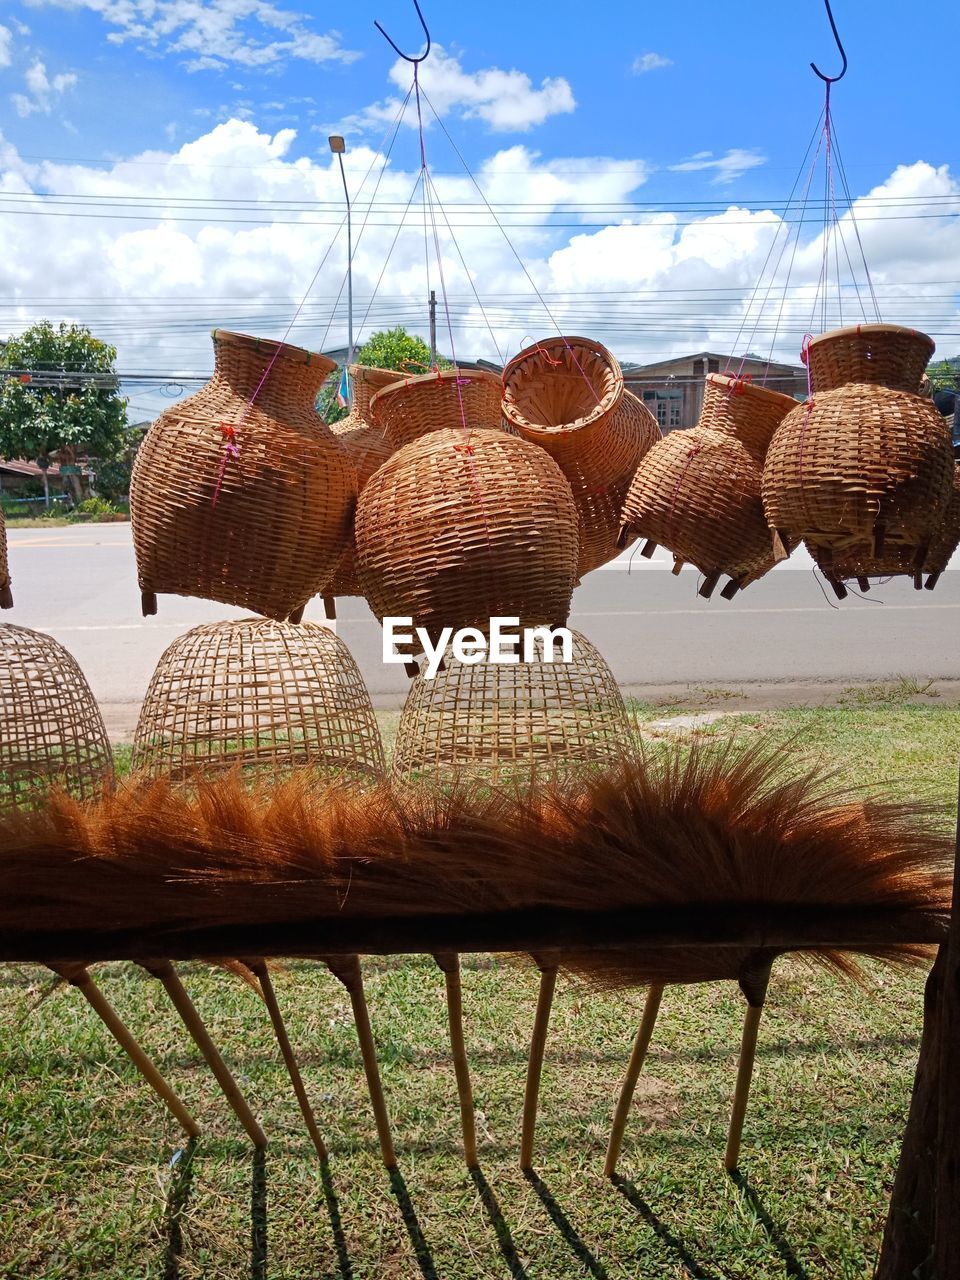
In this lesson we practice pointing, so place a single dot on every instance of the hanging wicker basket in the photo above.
(492, 721)
(365, 381)
(245, 503)
(6, 595)
(436, 401)
(884, 354)
(561, 387)
(860, 466)
(743, 409)
(458, 528)
(51, 731)
(267, 697)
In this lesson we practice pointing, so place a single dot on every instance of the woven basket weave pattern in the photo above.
(858, 457)
(884, 354)
(6, 597)
(281, 520)
(458, 528)
(435, 402)
(367, 450)
(489, 720)
(51, 729)
(267, 697)
(751, 413)
(365, 381)
(559, 386)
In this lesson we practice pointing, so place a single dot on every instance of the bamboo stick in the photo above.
(541, 1022)
(634, 1067)
(449, 962)
(748, 1053)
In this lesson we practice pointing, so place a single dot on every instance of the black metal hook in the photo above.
(406, 56)
(833, 28)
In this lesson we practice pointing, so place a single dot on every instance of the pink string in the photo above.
(230, 450)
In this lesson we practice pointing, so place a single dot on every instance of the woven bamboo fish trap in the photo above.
(558, 391)
(6, 595)
(268, 697)
(458, 528)
(886, 354)
(51, 729)
(437, 401)
(697, 492)
(861, 466)
(495, 720)
(365, 381)
(245, 503)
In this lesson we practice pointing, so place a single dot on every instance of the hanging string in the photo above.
(856, 226)
(393, 245)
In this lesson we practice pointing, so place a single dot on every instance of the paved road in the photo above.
(79, 584)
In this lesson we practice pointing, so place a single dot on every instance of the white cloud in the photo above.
(507, 101)
(6, 39)
(729, 166)
(650, 62)
(215, 33)
(42, 92)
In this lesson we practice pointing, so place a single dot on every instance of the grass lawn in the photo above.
(95, 1181)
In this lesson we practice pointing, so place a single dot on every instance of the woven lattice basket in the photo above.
(268, 697)
(246, 504)
(741, 409)
(365, 381)
(884, 354)
(495, 720)
(437, 401)
(859, 466)
(458, 528)
(561, 387)
(51, 729)
(6, 596)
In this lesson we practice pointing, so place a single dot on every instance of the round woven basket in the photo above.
(492, 720)
(458, 528)
(436, 401)
(860, 465)
(6, 595)
(247, 504)
(51, 730)
(561, 386)
(884, 354)
(263, 696)
(751, 413)
(365, 381)
(697, 493)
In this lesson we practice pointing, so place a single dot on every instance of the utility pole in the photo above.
(433, 326)
(338, 147)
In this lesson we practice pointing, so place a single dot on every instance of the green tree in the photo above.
(59, 396)
(387, 349)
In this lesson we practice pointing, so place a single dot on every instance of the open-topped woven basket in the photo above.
(241, 500)
(365, 381)
(263, 696)
(494, 720)
(458, 528)
(435, 401)
(885, 354)
(51, 731)
(561, 386)
(6, 595)
(744, 409)
(862, 465)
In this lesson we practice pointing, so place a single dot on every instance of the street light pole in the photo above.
(338, 147)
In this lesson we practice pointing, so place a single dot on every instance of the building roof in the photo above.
(723, 357)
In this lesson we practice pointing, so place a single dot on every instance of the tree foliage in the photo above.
(387, 349)
(49, 403)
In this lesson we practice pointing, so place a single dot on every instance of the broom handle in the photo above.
(748, 1053)
(634, 1067)
(548, 982)
(449, 962)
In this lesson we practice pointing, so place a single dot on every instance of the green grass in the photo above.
(87, 1188)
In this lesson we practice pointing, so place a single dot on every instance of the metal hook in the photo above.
(833, 28)
(426, 32)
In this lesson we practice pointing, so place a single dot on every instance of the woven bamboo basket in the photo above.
(365, 381)
(264, 696)
(742, 409)
(861, 465)
(884, 354)
(51, 730)
(6, 595)
(491, 720)
(246, 504)
(561, 388)
(458, 528)
(435, 402)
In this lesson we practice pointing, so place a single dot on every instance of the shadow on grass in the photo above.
(779, 1240)
(662, 1231)
(258, 1216)
(336, 1222)
(410, 1220)
(181, 1184)
(504, 1238)
(568, 1231)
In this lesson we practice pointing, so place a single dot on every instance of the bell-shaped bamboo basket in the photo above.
(697, 492)
(265, 696)
(51, 731)
(436, 401)
(886, 354)
(241, 493)
(460, 527)
(559, 388)
(6, 595)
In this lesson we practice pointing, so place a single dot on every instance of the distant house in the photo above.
(673, 389)
(20, 476)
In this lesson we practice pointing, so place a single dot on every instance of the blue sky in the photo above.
(633, 127)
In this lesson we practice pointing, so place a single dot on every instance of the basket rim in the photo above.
(752, 389)
(273, 348)
(563, 341)
(441, 375)
(860, 330)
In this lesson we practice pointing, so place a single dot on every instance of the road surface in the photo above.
(79, 584)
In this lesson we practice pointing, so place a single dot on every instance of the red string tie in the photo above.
(230, 450)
